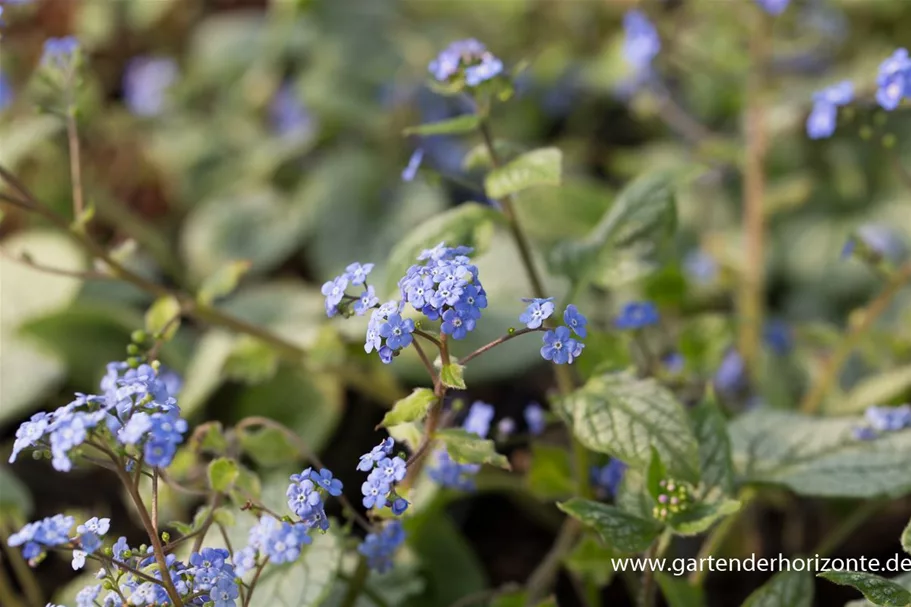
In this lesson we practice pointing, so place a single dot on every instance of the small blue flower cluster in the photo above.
(60, 53)
(607, 478)
(731, 376)
(446, 286)
(559, 346)
(334, 290)
(379, 548)
(883, 419)
(279, 541)
(821, 121)
(641, 43)
(774, 7)
(469, 58)
(35, 538)
(637, 315)
(305, 496)
(893, 81)
(385, 471)
(454, 475)
(535, 418)
(135, 411)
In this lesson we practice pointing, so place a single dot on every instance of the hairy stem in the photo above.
(716, 537)
(427, 364)
(253, 582)
(836, 361)
(75, 161)
(497, 342)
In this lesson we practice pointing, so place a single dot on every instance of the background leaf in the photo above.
(621, 530)
(465, 123)
(467, 448)
(785, 589)
(411, 408)
(535, 168)
(715, 461)
(876, 589)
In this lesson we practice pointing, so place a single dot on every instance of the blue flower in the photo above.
(78, 559)
(357, 273)
(537, 312)
(47, 533)
(637, 315)
(379, 548)
(700, 266)
(558, 346)
(120, 549)
(731, 376)
(894, 80)
(367, 300)
(506, 427)
(244, 560)
(282, 542)
(838, 94)
(29, 433)
(374, 490)
(377, 454)
(641, 42)
(224, 593)
(773, 7)
(608, 477)
(397, 331)
(821, 120)
(889, 419)
(448, 473)
(777, 335)
(864, 433)
(87, 596)
(489, 68)
(99, 526)
(288, 116)
(303, 497)
(60, 53)
(478, 63)
(399, 506)
(6, 91)
(391, 469)
(334, 291)
(535, 418)
(414, 163)
(455, 324)
(478, 419)
(575, 320)
(146, 82)
(324, 479)
(674, 362)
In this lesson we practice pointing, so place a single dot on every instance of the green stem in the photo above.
(357, 583)
(847, 527)
(542, 578)
(647, 590)
(719, 534)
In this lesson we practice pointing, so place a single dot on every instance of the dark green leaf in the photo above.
(550, 475)
(820, 456)
(903, 580)
(467, 448)
(223, 281)
(163, 317)
(678, 592)
(906, 538)
(465, 123)
(657, 472)
(621, 530)
(210, 437)
(785, 589)
(511, 599)
(15, 499)
(470, 224)
(411, 408)
(451, 376)
(700, 517)
(624, 416)
(268, 446)
(592, 561)
(535, 168)
(875, 589)
(715, 463)
(223, 473)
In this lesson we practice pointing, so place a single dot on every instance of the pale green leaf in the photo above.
(470, 224)
(903, 580)
(875, 390)
(306, 582)
(678, 592)
(223, 281)
(268, 446)
(715, 463)
(162, 319)
(535, 168)
(906, 538)
(550, 475)
(625, 416)
(465, 123)
(785, 589)
(621, 530)
(251, 361)
(820, 456)
(467, 448)
(411, 408)
(592, 560)
(223, 473)
(875, 589)
(451, 376)
(700, 517)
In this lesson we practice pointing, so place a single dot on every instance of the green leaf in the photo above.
(470, 224)
(592, 560)
(411, 408)
(877, 590)
(223, 281)
(247, 486)
(621, 530)
(700, 517)
(210, 438)
(906, 538)
(678, 592)
(656, 473)
(451, 376)
(903, 580)
(465, 123)
(204, 371)
(819, 456)
(478, 157)
(550, 475)
(878, 389)
(161, 315)
(624, 416)
(306, 582)
(645, 211)
(251, 361)
(223, 473)
(785, 589)
(268, 446)
(467, 448)
(511, 599)
(537, 167)
(15, 499)
(715, 462)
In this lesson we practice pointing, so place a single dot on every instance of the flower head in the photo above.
(535, 418)
(469, 58)
(894, 80)
(537, 312)
(324, 480)
(641, 43)
(637, 315)
(558, 346)
(379, 548)
(146, 82)
(575, 320)
(480, 414)
(773, 7)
